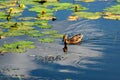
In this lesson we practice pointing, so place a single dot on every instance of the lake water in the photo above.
(96, 58)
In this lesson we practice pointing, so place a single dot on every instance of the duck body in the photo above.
(73, 40)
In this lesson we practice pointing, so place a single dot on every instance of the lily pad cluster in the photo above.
(89, 15)
(86, 0)
(112, 12)
(17, 47)
(14, 21)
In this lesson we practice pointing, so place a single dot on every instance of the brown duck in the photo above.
(73, 40)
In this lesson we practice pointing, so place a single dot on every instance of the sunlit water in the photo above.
(96, 58)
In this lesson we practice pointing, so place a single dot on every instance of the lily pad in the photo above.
(86, 0)
(26, 18)
(57, 35)
(49, 32)
(115, 9)
(2, 15)
(17, 47)
(13, 33)
(62, 6)
(46, 40)
(89, 15)
(112, 12)
(45, 26)
(34, 33)
(114, 17)
(118, 0)
(39, 9)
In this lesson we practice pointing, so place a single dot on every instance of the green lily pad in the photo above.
(45, 26)
(17, 47)
(57, 35)
(89, 15)
(13, 33)
(26, 2)
(41, 22)
(46, 40)
(62, 6)
(2, 15)
(115, 9)
(114, 17)
(118, 0)
(26, 18)
(112, 12)
(79, 7)
(34, 33)
(40, 8)
(50, 32)
(86, 0)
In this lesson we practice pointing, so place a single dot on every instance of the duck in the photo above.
(73, 40)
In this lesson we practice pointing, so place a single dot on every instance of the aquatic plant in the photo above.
(46, 40)
(118, 0)
(34, 33)
(49, 32)
(112, 12)
(115, 9)
(86, 0)
(17, 28)
(39, 8)
(77, 8)
(89, 15)
(2, 15)
(1, 34)
(45, 26)
(26, 2)
(26, 18)
(57, 35)
(61, 6)
(114, 17)
(14, 10)
(13, 33)
(22, 6)
(17, 47)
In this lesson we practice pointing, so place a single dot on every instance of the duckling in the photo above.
(73, 40)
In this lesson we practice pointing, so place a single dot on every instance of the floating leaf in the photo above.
(48, 32)
(57, 36)
(89, 15)
(46, 40)
(45, 26)
(2, 15)
(115, 9)
(18, 47)
(86, 0)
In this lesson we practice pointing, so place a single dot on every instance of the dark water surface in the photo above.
(96, 58)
